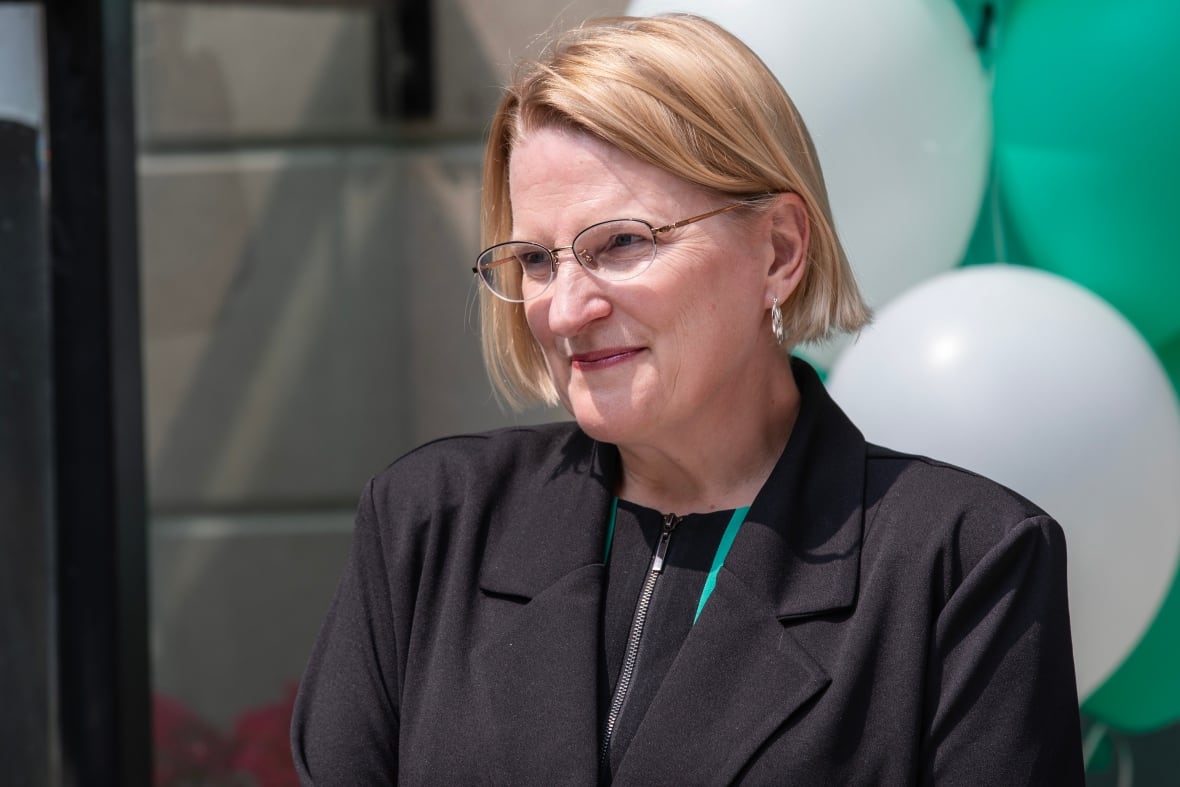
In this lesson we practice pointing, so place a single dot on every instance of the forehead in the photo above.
(560, 181)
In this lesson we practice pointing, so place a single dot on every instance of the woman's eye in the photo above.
(534, 260)
(623, 240)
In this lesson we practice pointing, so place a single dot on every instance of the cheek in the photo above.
(714, 324)
(536, 316)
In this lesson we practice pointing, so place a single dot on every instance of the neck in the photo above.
(714, 466)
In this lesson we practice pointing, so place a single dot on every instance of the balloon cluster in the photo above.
(1053, 368)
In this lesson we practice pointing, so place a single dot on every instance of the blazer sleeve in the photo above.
(345, 725)
(1001, 701)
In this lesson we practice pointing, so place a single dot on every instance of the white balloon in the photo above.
(1037, 383)
(898, 104)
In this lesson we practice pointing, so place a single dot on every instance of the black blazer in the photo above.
(880, 619)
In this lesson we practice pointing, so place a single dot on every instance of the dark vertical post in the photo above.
(405, 59)
(28, 722)
(103, 665)
(26, 469)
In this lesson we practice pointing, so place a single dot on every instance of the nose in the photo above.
(576, 297)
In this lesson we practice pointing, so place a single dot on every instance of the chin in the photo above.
(611, 414)
(604, 426)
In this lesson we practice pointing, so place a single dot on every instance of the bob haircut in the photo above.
(680, 93)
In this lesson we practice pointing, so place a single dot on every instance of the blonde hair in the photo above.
(683, 94)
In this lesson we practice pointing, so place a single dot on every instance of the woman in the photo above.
(709, 577)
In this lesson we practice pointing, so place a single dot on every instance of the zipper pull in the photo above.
(670, 523)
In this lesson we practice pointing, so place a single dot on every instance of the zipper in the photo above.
(631, 654)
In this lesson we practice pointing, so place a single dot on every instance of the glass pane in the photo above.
(308, 226)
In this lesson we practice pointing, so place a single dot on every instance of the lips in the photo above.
(600, 359)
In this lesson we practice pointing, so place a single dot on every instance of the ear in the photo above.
(790, 232)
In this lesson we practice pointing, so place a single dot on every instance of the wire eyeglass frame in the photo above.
(486, 261)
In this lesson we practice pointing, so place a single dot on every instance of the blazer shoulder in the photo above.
(478, 451)
(920, 504)
(442, 494)
(464, 466)
(941, 482)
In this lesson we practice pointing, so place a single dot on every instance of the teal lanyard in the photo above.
(727, 539)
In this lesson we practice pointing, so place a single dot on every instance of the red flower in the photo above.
(262, 745)
(188, 750)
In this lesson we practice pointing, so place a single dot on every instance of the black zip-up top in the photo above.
(656, 571)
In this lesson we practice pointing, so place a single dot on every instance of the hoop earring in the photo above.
(776, 322)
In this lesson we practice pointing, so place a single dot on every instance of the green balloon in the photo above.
(1087, 146)
(982, 17)
(1143, 694)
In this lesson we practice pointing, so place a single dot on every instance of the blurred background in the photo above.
(1003, 175)
(309, 189)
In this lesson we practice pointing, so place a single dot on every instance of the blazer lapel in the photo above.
(538, 674)
(741, 675)
(538, 680)
(736, 680)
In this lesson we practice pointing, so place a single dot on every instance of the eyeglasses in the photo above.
(616, 250)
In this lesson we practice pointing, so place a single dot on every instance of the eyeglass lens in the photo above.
(613, 250)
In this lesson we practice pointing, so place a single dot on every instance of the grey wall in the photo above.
(309, 311)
